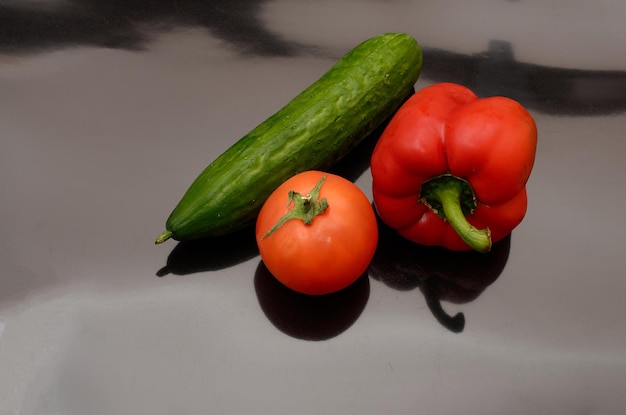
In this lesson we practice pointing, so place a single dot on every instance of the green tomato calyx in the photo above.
(305, 207)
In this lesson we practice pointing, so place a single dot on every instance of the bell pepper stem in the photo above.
(452, 199)
(478, 239)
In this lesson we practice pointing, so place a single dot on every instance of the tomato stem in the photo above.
(305, 208)
(452, 198)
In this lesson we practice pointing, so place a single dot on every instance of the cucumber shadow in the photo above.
(440, 274)
(211, 254)
(310, 317)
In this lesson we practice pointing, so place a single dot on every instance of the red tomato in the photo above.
(331, 252)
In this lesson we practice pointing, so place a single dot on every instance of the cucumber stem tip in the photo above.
(163, 237)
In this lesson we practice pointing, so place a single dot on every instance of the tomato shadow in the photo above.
(211, 254)
(310, 317)
(440, 274)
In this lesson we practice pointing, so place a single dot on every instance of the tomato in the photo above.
(330, 252)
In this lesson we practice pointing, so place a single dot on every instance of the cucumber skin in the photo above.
(313, 131)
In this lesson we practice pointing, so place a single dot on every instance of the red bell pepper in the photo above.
(450, 169)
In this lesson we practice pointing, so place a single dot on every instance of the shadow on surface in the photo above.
(310, 317)
(440, 274)
(211, 254)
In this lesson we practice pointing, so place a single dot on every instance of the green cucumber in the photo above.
(313, 131)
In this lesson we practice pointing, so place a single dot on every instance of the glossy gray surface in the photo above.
(108, 110)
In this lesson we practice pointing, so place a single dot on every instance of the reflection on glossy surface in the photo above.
(133, 24)
(441, 275)
(310, 317)
(543, 88)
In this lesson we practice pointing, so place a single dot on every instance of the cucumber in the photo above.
(313, 131)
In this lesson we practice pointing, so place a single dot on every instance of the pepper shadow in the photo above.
(440, 274)
(310, 317)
